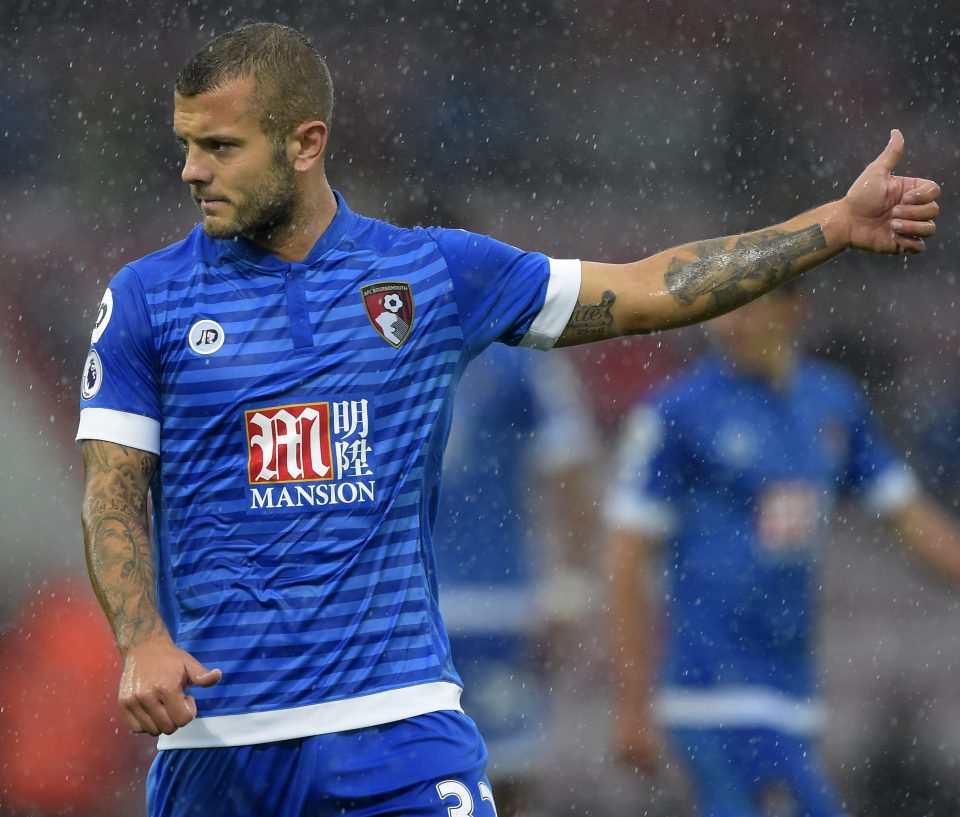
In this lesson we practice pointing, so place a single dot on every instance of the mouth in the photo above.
(209, 203)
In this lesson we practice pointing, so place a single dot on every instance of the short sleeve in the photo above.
(119, 393)
(879, 479)
(507, 295)
(648, 466)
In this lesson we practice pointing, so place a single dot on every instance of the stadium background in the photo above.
(605, 130)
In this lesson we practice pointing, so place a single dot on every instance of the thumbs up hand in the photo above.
(888, 213)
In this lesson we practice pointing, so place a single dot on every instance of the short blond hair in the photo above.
(291, 80)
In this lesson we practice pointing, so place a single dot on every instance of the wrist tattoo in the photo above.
(762, 260)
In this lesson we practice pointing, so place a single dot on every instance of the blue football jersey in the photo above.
(300, 412)
(740, 479)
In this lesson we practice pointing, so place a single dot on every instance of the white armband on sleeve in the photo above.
(563, 289)
(120, 427)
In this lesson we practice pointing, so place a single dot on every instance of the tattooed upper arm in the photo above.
(128, 470)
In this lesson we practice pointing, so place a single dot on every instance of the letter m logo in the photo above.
(289, 443)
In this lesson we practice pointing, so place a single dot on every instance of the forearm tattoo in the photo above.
(732, 276)
(117, 540)
(592, 320)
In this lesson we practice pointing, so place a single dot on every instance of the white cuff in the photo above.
(120, 427)
(563, 289)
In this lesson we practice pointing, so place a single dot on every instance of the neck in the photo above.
(773, 365)
(293, 241)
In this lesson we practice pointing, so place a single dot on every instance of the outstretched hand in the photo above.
(888, 213)
(156, 674)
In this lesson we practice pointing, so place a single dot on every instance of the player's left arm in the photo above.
(928, 530)
(880, 213)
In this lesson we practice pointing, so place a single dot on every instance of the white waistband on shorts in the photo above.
(249, 728)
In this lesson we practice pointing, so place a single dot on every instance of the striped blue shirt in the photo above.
(300, 412)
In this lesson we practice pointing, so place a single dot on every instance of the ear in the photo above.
(307, 145)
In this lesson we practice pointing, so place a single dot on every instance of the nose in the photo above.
(195, 169)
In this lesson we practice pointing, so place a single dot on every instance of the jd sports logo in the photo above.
(206, 337)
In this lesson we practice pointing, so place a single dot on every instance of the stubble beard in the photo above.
(267, 214)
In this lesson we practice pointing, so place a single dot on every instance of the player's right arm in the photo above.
(120, 421)
(119, 554)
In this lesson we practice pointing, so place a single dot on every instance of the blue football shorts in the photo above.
(754, 772)
(428, 766)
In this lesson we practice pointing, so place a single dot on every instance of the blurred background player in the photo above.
(514, 513)
(737, 469)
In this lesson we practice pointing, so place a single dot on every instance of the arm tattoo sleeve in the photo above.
(117, 538)
(730, 277)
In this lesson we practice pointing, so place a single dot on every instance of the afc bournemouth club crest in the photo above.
(389, 306)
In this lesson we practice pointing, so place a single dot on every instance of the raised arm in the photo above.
(120, 561)
(881, 213)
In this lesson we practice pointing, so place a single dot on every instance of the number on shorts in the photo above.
(464, 806)
(454, 788)
(486, 794)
